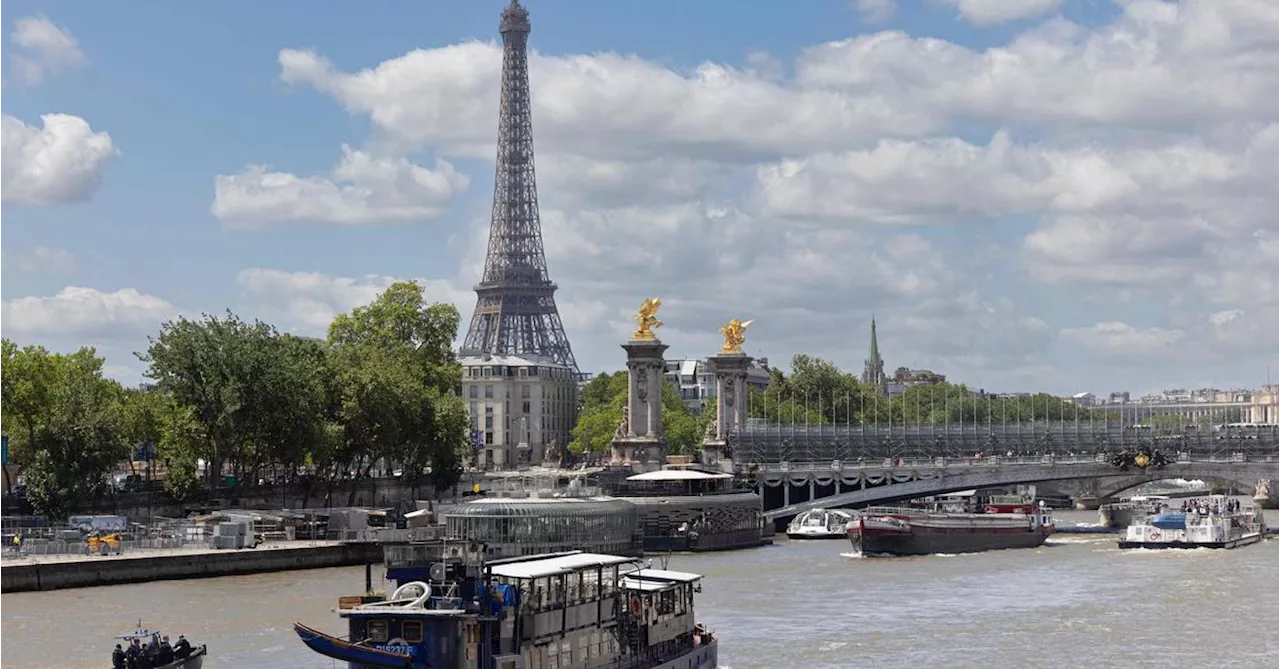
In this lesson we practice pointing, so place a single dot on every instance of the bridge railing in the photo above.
(816, 443)
(918, 464)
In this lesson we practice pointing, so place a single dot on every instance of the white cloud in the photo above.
(875, 11)
(992, 12)
(60, 162)
(306, 302)
(1134, 161)
(86, 314)
(602, 106)
(362, 189)
(1158, 66)
(42, 260)
(42, 49)
(1121, 340)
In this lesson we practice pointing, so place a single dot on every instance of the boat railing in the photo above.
(891, 511)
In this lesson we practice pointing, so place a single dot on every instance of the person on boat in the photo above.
(165, 654)
(117, 658)
(182, 649)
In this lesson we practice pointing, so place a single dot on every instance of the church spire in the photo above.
(873, 366)
(873, 351)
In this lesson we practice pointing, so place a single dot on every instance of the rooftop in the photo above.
(565, 564)
(471, 360)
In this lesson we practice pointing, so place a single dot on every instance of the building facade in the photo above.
(1203, 405)
(696, 383)
(521, 408)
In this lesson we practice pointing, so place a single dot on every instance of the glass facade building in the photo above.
(512, 526)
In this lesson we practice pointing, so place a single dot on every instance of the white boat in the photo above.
(820, 524)
(1216, 521)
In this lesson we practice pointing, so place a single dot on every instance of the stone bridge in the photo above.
(829, 484)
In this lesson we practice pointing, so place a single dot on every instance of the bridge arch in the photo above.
(1114, 486)
(943, 480)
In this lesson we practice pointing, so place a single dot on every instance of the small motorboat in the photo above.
(820, 524)
(184, 655)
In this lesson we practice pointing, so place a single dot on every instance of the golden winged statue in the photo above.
(735, 334)
(646, 321)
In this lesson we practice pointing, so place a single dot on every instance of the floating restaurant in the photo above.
(546, 522)
(681, 508)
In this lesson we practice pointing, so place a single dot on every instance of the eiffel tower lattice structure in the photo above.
(516, 310)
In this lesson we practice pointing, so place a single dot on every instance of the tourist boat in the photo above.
(192, 656)
(1003, 522)
(1216, 521)
(570, 610)
(820, 524)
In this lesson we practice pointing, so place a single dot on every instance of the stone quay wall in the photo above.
(86, 571)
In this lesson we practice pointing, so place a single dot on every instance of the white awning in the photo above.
(678, 475)
(564, 564)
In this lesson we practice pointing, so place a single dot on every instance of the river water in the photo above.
(1078, 602)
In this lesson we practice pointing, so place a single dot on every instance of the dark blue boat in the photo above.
(570, 609)
(364, 655)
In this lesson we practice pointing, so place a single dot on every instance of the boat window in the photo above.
(378, 631)
(411, 630)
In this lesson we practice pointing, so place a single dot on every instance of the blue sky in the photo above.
(1035, 200)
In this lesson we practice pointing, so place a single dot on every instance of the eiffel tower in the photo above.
(515, 307)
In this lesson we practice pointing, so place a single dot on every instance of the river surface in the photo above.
(1076, 602)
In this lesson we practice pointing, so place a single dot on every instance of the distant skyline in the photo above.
(1051, 195)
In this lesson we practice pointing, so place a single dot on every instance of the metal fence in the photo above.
(387, 535)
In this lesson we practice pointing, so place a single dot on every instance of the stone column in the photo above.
(1087, 498)
(730, 371)
(639, 442)
(1264, 494)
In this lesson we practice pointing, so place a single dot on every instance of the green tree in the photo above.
(79, 441)
(603, 400)
(257, 397)
(400, 384)
(8, 351)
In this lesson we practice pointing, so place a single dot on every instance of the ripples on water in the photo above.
(1078, 601)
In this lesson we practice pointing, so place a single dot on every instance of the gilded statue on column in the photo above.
(735, 334)
(647, 320)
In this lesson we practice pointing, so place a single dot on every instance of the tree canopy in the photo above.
(383, 388)
(603, 399)
(69, 420)
(248, 401)
(818, 392)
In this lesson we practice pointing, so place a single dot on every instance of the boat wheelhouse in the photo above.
(569, 610)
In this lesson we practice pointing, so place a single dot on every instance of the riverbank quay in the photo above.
(55, 572)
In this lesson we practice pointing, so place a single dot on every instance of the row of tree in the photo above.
(246, 400)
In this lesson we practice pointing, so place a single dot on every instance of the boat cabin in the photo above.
(585, 610)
